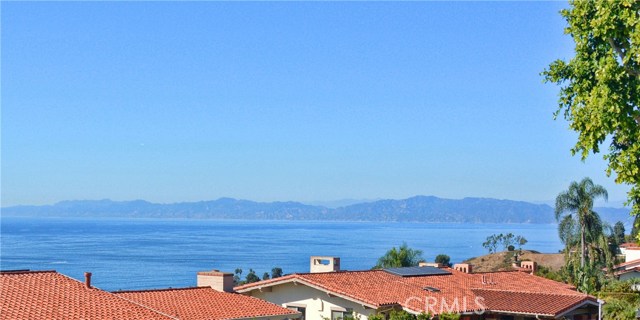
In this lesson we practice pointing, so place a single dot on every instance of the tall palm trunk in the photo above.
(582, 248)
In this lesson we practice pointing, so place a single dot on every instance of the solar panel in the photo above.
(417, 271)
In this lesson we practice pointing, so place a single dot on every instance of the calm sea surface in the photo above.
(147, 253)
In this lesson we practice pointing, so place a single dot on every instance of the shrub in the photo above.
(449, 316)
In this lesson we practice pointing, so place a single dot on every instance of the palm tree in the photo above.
(401, 257)
(574, 210)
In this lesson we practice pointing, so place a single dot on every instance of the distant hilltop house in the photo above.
(326, 292)
(630, 268)
(51, 295)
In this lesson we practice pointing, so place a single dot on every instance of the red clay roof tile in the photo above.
(625, 264)
(204, 303)
(456, 292)
(548, 304)
(51, 295)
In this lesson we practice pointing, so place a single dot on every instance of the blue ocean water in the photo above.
(148, 253)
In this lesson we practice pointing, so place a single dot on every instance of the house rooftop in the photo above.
(196, 303)
(507, 291)
(51, 295)
(623, 265)
(629, 245)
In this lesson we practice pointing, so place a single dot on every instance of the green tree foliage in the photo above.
(444, 259)
(621, 299)
(635, 228)
(376, 316)
(251, 277)
(521, 241)
(505, 240)
(424, 316)
(591, 277)
(586, 238)
(574, 209)
(546, 272)
(600, 85)
(618, 232)
(449, 316)
(616, 309)
(508, 240)
(403, 315)
(237, 276)
(403, 256)
(276, 272)
(491, 243)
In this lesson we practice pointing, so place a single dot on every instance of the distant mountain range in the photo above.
(415, 209)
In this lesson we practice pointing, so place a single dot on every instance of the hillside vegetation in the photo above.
(501, 261)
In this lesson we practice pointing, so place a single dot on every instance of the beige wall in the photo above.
(218, 281)
(631, 254)
(318, 303)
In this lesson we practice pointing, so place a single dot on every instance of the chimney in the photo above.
(219, 281)
(529, 265)
(87, 280)
(324, 264)
(463, 267)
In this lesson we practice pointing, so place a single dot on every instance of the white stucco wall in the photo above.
(318, 303)
(631, 254)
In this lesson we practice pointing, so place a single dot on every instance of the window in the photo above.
(342, 315)
(302, 311)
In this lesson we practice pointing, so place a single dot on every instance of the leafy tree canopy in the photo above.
(402, 256)
(444, 259)
(252, 277)
(276, 272)
(618, 231)
(506, 240)
(600, 85)
(403, 315)
(577, 220)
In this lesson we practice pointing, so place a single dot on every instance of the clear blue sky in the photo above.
(168, 101)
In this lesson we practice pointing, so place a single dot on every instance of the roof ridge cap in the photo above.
(266, 282)
(159, 289)
(577, 293)
(499, 271)
(27, 271)
(116, 296)
(624, 264)
(339, 271)
(142, 305)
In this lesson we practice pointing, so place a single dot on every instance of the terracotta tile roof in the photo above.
(629, 245)
(378, 288)
(204, 303)
(625, 271)
(51, 295)
(626, 264)
(547, 304)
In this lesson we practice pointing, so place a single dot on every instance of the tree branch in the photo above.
(621, 54)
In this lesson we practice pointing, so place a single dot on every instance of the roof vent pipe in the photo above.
(87, 280)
